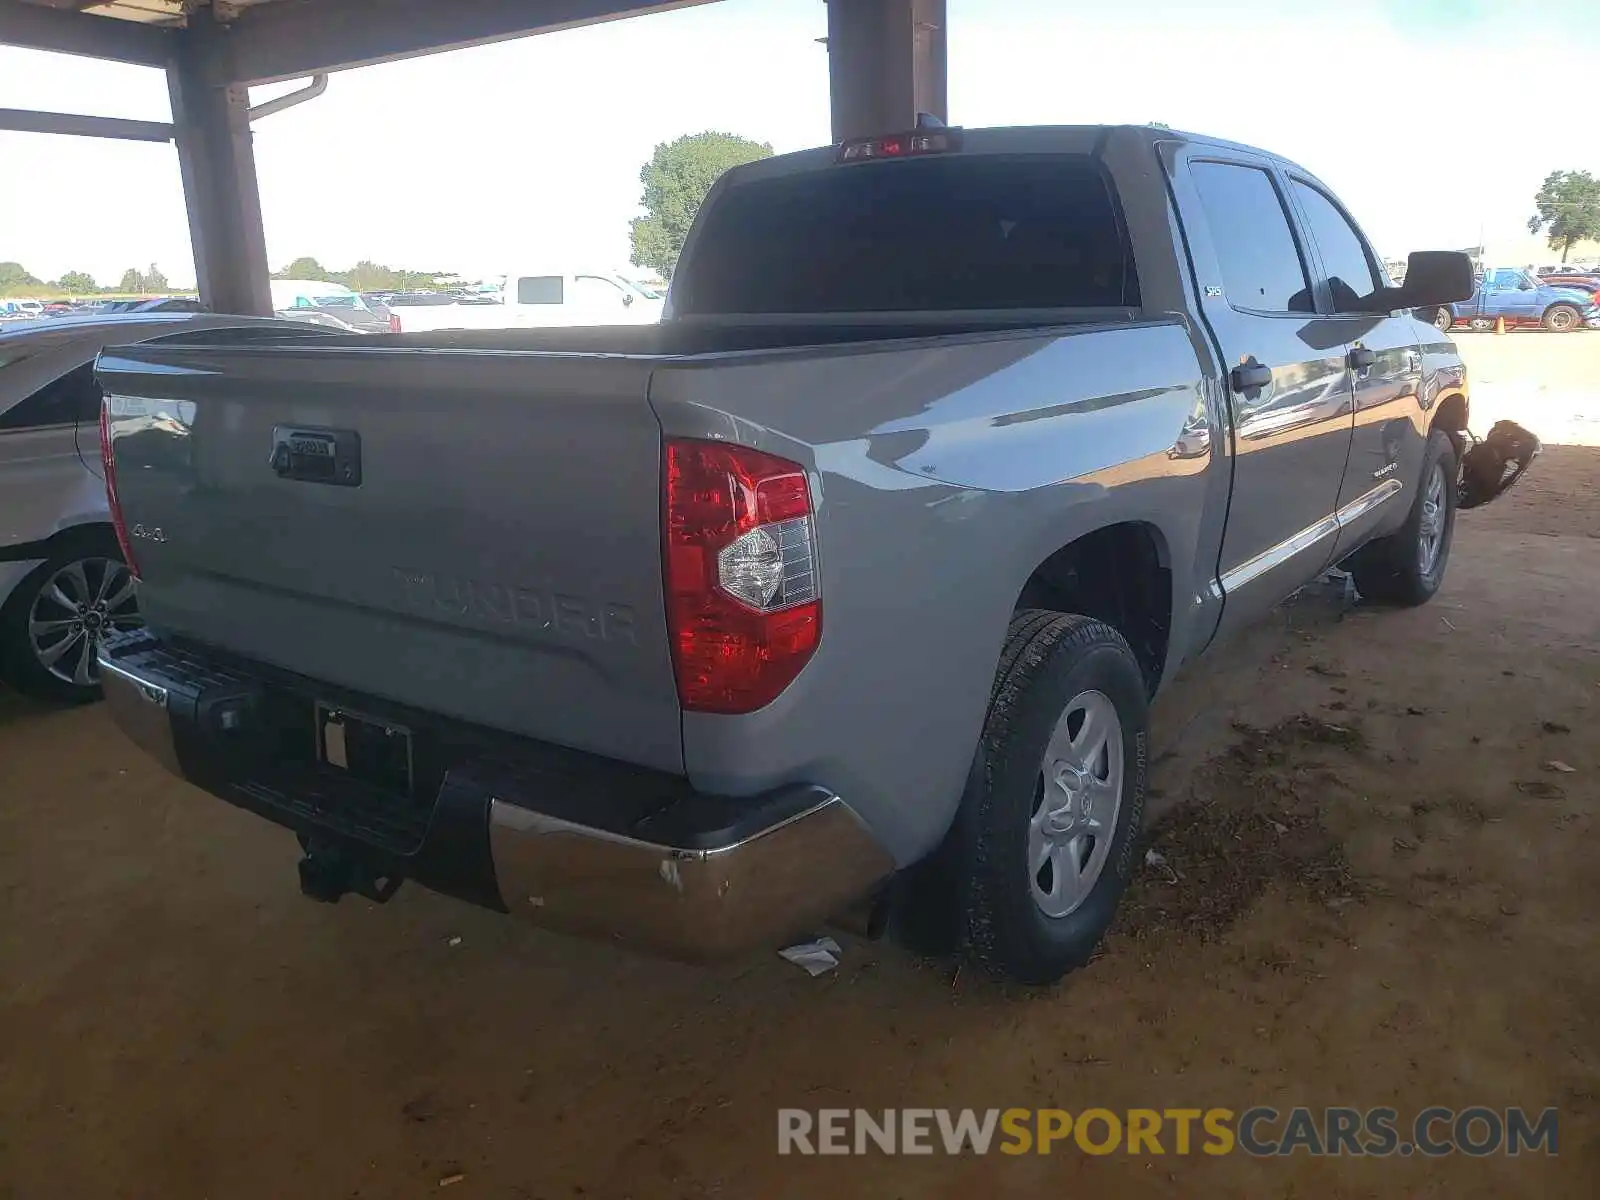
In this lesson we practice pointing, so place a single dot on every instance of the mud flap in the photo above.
(1490, 467)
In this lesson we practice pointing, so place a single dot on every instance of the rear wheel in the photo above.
(1044, 842)
(53, 624)
(1480, 324)
(1443, 319)
(1562, 318)
(1407, 567)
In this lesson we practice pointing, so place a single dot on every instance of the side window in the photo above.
(540, 289)
(73, 397)
(1351, 277)
(591, 289)
(1505, 281)
(1261, 265)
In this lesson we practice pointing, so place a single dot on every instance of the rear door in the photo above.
(1287, 389)
(1384, 368)
(43, 484)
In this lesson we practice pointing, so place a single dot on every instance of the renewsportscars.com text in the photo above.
(1260, 1131)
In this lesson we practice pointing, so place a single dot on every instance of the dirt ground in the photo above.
(1376, 889)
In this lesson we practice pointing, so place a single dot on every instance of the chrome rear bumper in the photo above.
(696, 878)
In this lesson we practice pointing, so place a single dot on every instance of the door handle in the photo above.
(1249, 375)
(1362, 358)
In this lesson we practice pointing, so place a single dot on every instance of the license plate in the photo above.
(369, 749)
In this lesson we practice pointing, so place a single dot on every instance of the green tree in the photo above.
(676, 180)
(1568, 204)
(132, 281)
(305, 268)
(14, 276)
(155, 281)
(78, 283)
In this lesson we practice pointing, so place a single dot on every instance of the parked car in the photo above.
(1522, 300)
(22, 310)
(845, 586)
(535, 300)
(63, 585)
(1589, 285)
(335, 306)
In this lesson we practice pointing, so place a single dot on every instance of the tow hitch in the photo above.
(328, 870)
(1491, 466)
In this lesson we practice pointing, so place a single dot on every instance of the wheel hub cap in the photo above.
(1431, 528)
(1077, 797)
(75, 610)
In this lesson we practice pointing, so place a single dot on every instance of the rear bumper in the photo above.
(564, 840)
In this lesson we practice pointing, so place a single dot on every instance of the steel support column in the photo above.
(218, 165)
(886, 63)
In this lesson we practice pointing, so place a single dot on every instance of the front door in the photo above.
(1385, 371)
(1288, 394)
(1511, 294)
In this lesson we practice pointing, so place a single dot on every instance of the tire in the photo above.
(1562, 318)
(1480, 324)
(1062, 680)
(43, 615)
(1400, 569)
(1443, 319)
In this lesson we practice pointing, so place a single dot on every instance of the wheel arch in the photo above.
(1120, 573)
(62, 539)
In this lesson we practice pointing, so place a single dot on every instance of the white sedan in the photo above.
(63, 583)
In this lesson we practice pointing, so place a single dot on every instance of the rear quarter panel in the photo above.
(943, 476)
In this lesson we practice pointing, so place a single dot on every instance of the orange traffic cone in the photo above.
(1499, 325)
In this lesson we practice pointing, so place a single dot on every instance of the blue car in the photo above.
(1521, 299)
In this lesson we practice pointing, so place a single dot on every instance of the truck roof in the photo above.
(1023, 139)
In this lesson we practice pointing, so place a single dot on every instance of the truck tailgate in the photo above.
(476, 535)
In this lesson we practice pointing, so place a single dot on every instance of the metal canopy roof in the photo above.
(261, 41)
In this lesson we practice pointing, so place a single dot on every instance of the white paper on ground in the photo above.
(818, 957)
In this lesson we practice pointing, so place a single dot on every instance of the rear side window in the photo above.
(540, 289)
(1351, 277)
(1261, 266)
(923, 235)
(73, 397)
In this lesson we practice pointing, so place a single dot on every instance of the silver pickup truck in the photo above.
(842, 591)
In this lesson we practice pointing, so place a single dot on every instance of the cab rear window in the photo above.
(963, 232)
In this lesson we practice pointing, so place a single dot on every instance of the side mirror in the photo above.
(1433, 277)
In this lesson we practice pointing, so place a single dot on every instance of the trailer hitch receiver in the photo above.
(328, 871)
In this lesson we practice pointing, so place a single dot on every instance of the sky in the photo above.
(1432, 119)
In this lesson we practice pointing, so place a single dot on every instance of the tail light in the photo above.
(108, 467)
(743, 599)
(394, 323)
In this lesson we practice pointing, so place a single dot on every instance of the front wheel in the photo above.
(1562, 318)
(1046, 836)
(1443, 319)
(1407, 567)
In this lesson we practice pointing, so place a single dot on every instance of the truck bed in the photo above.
(496, 559)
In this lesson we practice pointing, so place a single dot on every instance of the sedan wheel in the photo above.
(52, 630)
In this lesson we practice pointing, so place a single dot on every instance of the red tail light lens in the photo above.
(743, 600)
(108, 467)
(394, 323)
